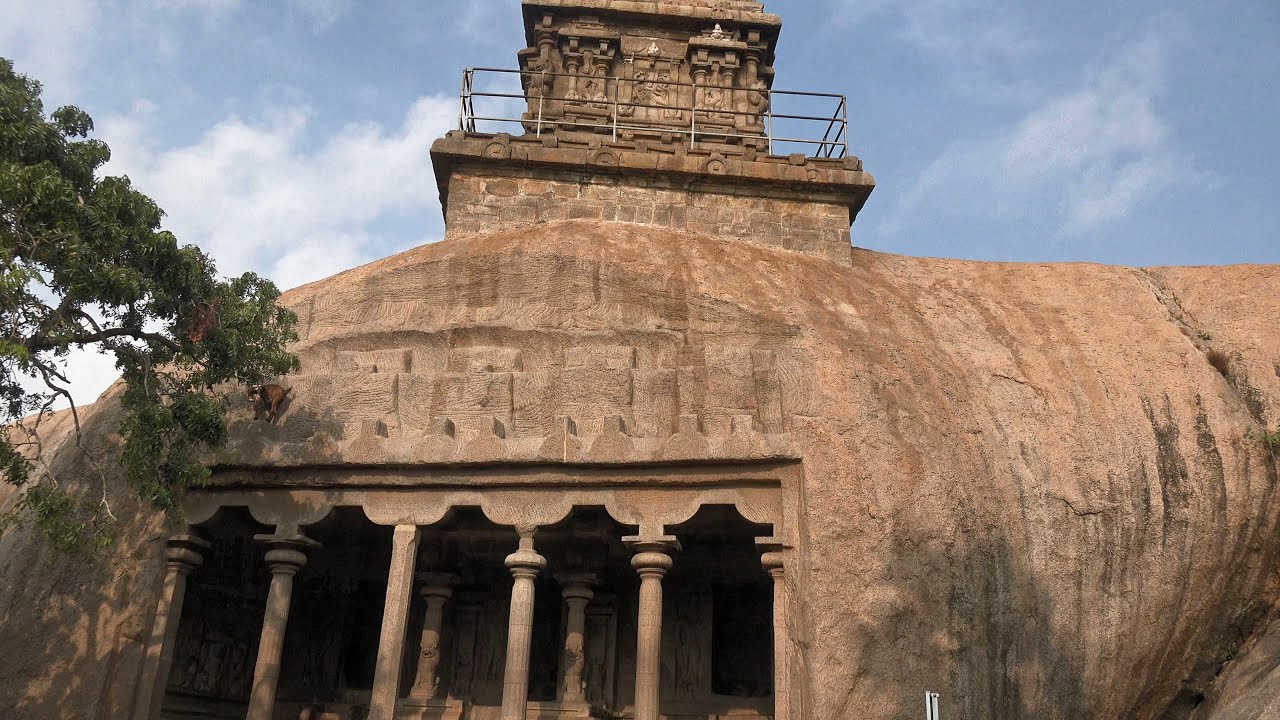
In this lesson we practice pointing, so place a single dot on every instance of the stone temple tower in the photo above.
(659, 113)
(542, 468)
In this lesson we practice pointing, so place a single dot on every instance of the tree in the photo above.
(84, 262)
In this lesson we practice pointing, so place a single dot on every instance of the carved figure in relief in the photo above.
(689, 656)
(643, 93)
(719, 34)
(237, 672)
(575, 662)
(429, 661)
(713, 98)
(541, 80)
(206, 679)
(758, 97)
(593, 88)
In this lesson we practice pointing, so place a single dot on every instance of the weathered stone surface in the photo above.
(1024, 486)
(74, 633)
(807, 207)
(1249, 686)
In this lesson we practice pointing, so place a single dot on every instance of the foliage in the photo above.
(1271, 439)
(84, 263)
(1230, 652)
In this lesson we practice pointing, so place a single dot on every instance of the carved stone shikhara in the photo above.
(655, 113)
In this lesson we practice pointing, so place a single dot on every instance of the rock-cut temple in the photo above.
(546, 524)
(645, 437)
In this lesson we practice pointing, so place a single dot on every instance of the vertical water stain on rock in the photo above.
(1171, 468)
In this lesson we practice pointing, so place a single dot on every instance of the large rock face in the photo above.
(1024, 485)
(72, 632)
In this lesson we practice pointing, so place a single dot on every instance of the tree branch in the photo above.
(39, 342)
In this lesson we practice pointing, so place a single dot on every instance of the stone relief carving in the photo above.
(719, 72)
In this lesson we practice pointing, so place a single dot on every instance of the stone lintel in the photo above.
(711, 170)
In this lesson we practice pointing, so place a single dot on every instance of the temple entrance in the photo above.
(503, 604)
(717, 620)
(717, 656)
(331, 644)
(217, 639)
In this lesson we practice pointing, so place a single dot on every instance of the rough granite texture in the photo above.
(1026, 488)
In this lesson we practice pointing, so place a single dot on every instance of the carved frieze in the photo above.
(636, 76)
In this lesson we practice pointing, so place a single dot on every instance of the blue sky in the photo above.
(290, 136)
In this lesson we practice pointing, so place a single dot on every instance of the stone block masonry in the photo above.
(490, 198)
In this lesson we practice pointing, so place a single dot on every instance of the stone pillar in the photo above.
(525, 565)
(652, 561)
(576, 590)
(286, 554)
(395, 614)
(183, 553)
(437, 588)
(773, 562)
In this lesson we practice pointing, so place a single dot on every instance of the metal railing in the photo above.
(794, 128)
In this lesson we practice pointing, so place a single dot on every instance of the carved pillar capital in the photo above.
(525, 561)
(774, 562)
(184, 553)
(286, 554)
(652, 554)
(436, 586)
(576, 587)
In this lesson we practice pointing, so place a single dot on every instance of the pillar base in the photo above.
(434, 709)
(559, 711)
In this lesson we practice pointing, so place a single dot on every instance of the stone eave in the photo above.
(445, 473)
(712, 169)
(613, 449)
(648, 10)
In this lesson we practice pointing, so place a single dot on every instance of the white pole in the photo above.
(931, 706)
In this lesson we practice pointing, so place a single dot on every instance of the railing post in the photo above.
(770, 112)
(541, 99)
(844, 103)
(931, 706)
(462, 102)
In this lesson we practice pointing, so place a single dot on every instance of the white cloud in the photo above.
(1102, 149)
(47, 41)
(977, 45)
(258, 195)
